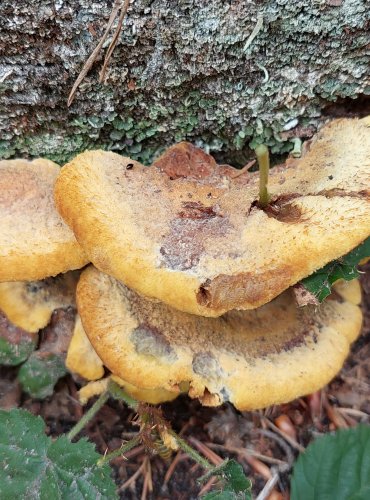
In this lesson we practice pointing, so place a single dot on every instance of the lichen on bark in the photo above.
(179, 71)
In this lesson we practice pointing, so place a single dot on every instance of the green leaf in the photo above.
(33, 466)
(334, 467)
(235, 484)
(13, 354)
(15, 343)
(320, 282)
(221, 495)
(39, 374)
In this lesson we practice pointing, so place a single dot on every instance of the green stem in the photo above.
(120, 451)
(297, 148)
(118, 393)
(263, 159)
(88, 415)
(191, 452)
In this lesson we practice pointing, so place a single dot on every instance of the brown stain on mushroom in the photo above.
(17, 188)
(228, 291)
(184, 161)
(194, 224)
(284, 211)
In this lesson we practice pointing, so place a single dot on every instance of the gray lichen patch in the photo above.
(179, 71)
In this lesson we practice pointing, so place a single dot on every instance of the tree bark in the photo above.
(181, 70)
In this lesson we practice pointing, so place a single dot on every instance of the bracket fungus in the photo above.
(35, 243)
(30, 304)
(83, 360)
(37, 249)
(253, 359)
(191, 234)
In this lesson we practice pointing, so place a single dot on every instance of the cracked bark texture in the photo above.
(180, 71)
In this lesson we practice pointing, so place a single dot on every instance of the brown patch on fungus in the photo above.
(148, 340)
(184, 161)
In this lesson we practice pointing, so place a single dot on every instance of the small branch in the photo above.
(263, 159)
(94, 54)
(88, 415)
(287, 438)
(269, 486)
(114, 41)
(118, 393)
(120, 451)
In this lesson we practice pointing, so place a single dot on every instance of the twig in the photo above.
(249, 451)
(148, 484)
(120, 451)
(283, 445)
(180, 456)
(131, 479)
(88, 415)
(269, 486)
(211, 455)
(244, 169)
(92, 58)
(287, 438)
(335, 416)
(211, 481)
(114, 41)
(353, 412)
(258, 466)
(256, 30)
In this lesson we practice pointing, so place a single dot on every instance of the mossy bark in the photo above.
(181, 70)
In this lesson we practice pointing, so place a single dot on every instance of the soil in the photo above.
(265, 442)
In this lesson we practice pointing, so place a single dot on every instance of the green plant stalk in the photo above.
(191, 452)
(88, 415)
(263, 159)
(118, 393)
(120, 451)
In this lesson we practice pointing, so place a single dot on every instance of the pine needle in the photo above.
(93, 56)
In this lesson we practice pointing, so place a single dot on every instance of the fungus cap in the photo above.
(29, 305)
(252, 358)
(34, 240)
(81, 356)
(189, 233)
(151, 396)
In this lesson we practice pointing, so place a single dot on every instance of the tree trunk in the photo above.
(182, 69)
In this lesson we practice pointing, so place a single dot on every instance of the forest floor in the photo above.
(265, 442)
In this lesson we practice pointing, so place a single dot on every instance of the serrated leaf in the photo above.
(320, 282)
(39, 374)
(334, 467)
(235, 484)
(33, 466)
